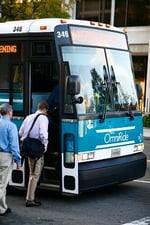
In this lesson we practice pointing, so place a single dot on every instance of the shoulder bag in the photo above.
(32, 147)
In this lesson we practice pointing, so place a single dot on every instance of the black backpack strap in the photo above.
(34, 122)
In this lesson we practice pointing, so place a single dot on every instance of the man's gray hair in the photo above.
(5, 108)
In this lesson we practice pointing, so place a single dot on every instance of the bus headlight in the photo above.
(86, 156)
(139, 147)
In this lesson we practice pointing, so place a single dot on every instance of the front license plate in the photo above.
(116, 152)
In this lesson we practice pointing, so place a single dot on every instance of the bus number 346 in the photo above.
(62, 34)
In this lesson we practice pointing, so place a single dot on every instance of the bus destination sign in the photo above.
(8, 49)
(97, 37)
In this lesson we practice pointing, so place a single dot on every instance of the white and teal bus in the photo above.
(95, 130)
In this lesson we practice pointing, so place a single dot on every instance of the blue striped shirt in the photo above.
(9, 141)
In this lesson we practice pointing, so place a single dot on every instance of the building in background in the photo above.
(133, 15)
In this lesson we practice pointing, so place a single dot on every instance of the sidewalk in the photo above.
(146, 132)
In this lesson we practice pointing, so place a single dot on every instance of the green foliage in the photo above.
(34, 9)
(146, 120)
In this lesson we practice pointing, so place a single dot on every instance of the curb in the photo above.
(146, 133)
(146, 138)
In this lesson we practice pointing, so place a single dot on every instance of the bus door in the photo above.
(44, 80)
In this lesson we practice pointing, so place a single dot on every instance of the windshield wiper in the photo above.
(130, 113)
(115, 92)
(106, 83)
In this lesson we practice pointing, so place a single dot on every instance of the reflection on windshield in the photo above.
(122, 79)
(104, 86)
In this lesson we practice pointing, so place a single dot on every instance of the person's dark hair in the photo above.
(5, 108)
(42, 105)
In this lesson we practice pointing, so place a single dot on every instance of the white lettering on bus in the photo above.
(62, 34)
(121, 137)
(8, 48)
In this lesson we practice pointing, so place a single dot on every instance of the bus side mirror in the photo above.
(73, 85)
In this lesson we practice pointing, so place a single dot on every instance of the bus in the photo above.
(95, 126)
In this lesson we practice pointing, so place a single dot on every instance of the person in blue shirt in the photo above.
(53, 103)
(53, 116)
(9, 152)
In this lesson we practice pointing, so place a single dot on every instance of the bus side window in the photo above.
(17, 80)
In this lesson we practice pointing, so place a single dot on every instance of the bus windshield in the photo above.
(106, 78)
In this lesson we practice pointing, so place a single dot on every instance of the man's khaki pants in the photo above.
(34, 177)
(6, 164)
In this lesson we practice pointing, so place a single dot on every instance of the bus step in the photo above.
(50, 173)
(49, 168)
(51, 186)
(54, 153)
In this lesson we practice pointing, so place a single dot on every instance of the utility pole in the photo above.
(112, 12)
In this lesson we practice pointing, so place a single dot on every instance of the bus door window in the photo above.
(42, 85)
(41, 79)
(17, 83)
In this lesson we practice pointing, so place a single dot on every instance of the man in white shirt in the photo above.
(39, 131)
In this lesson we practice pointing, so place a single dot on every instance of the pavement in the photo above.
(146, 132)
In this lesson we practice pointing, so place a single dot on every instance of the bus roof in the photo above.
(46, 25)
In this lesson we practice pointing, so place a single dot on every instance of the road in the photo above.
(118, 205)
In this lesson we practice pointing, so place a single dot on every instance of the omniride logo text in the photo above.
(120, 137)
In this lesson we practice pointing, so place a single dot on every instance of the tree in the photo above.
(34, 9)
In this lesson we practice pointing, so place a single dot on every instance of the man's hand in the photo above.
(18, 166)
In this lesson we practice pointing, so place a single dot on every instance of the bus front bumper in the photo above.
(93, 175)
